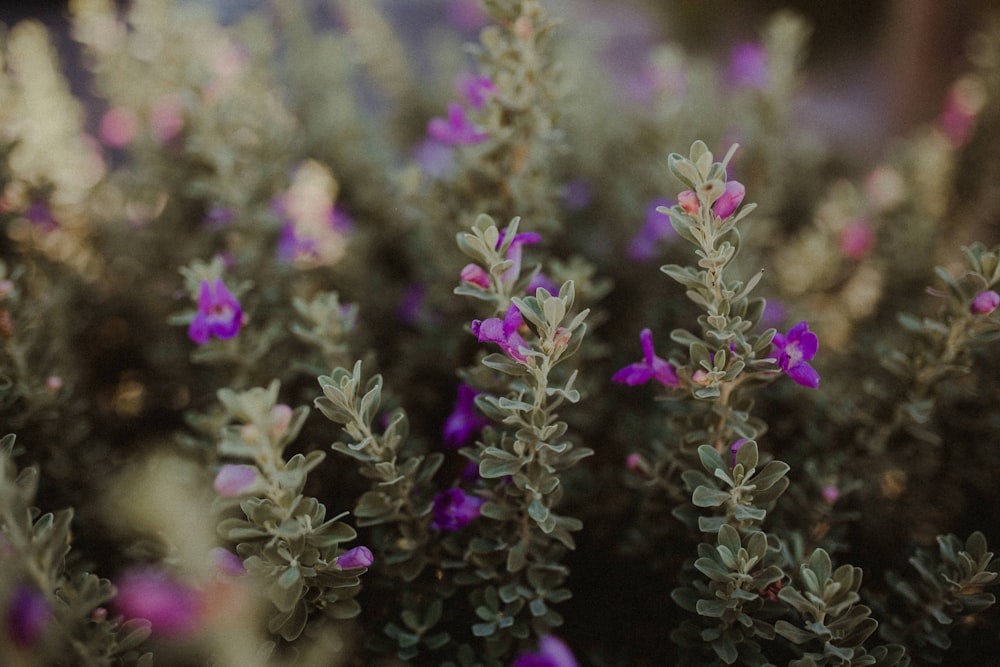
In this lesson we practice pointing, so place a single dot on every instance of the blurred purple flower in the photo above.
(354, 558)
(454, 509)
(795, 349)
(504, 333)
(985, 303)
(748, 66)
(651, 367)
(218, 216)
(774, 313)
(657, 228)
(541, 280)
(173, 608)
(735, 448)
(28, 615)
(457, 129)
(436, 159)
(465, 421)
(219, 313)
(40, 215)
(552, 652)
(466, 14)
(476, 89)
(577, 194)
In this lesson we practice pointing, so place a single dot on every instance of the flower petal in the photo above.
(804, 374)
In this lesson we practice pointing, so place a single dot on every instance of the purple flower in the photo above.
(541, 280)
(735, 448)
(577, 194)
(514, 251)
(857, 239)
(985, 303)
(27, 615)
(40, 215)
(219, 313)
(748, 66)
(476, 89)
(465, 421)
(503, 333)
(795, 349)
(172, 607)
(552, 652)
(457, 129)
(354, 558)
(651, 367)
(657, 228)
(454, 509)
(235, 480)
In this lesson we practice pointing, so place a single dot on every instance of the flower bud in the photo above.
(688, 201)
(473, 274)
(730, 199)
(985, 303)
(354, 558)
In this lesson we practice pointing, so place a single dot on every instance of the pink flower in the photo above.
(354, 558)
(226, 562)
(173, 608)
(730, 200)
(475, 275)
(651, 367)
(119, 127)
(857, 239)
(219, 313)
(457, 129)
(504, 333)
(235, 480)
(795, 349)
(735, 448)
(985, 303)
(723, 207)
(830, 493)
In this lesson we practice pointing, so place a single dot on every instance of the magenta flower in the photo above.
(234, 480)
(552, 652)
(504, 333)
(457, 129)
(730, 200)
(354, 558)
(465, 421)
(795, 349)
(173, 608)
(651, 367)
(219, 313)
(985, 303)
(454, 509)
(28, 615)
(40, 215)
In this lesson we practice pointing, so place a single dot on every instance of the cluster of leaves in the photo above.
(53, 613)
(285, 539)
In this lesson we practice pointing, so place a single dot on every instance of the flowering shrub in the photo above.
(330, 361)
